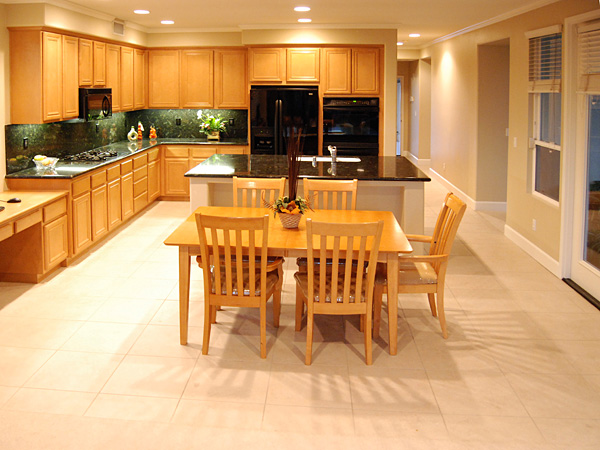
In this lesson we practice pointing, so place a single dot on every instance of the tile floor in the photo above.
(90, 359)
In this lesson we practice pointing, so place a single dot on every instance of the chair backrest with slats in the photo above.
(331, 194)
(249, 192)
(342, 284)
(228, 239)
(446, 226)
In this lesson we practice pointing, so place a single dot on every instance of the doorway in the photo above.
(399, 116)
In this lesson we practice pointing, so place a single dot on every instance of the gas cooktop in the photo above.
(90, 155)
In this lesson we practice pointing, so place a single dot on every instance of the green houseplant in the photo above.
(211, 124)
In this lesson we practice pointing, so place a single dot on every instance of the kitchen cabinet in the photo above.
(52, 76)
(126, 87)
(70, 78)
(197, 78)
(337, 71)
(266, 64)
(99, 63)
(126, 189)
(231, 79)
(176, 163)
(153, 174)
(114, 203)
(140, 182)
(365, 71)
(55, 241)
(302, 65)
(140, 79)
(351, 71)
(99, 199)
(86, 62)
(82, 222)
(113, 74)
(163, 78)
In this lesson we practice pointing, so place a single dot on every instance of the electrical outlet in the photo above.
(178, 121)
(232, 122)
(534, 224)
(25, 143)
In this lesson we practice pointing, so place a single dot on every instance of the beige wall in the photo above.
(403, 70)
(454, 117)
(4, 91)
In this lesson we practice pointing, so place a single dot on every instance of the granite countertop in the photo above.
(372, 168)
(72, 169)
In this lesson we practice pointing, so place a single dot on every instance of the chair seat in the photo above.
(302, 281)
(409, 273)
(272, 261)
(272, 279)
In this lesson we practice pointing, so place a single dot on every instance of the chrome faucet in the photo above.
(333, 151)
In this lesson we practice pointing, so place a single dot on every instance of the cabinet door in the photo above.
(231, 86)
(70, 78)
(56, 247)
(82, 222)
(126, 79)
(99, 212)
(164, 78)
(197, 78)
(127, 196)
(337, 71)
(86, 62)
(365, 71)
(139, 78)
(114, 203)
(113, 74)
(266, 64)
(303, 65)
(153, 181)
(99, 63)
(51, 76)
(176, 184)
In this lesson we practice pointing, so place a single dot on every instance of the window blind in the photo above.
(545, 63)
(589, 58)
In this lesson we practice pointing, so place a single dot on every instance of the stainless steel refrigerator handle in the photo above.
(277, 137)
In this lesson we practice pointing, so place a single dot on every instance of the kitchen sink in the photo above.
(343, 159)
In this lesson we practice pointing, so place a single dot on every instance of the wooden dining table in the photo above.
(292, 243)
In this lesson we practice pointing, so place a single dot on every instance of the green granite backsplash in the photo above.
(75, 136)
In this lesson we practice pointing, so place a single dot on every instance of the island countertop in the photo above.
(373, 168)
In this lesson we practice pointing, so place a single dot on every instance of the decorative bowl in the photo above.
(46, 163)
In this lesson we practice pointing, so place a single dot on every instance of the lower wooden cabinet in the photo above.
(153, 181)
(114, 203)
(82, 222)
(99, 212)
(56, 244)
(175, 182)
(127, 196)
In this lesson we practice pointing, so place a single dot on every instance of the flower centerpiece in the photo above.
(291, 207)
(211, 124)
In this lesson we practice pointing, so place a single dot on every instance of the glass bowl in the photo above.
(46, 163)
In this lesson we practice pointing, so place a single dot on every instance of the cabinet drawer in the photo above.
(203, 151)
(176, 151)
(54, 210)
(81, 186)
(139, 187)
(140, 161)
(231, 150)
(98, 179)
(138, 174)
(27, 221)
(126, 167)
(153, 154)
(112, 173)
(6, 231)
(140, 202)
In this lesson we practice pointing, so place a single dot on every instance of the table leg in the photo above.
(392, 300)
(184, 293)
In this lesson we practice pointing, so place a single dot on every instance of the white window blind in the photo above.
(589, 58)
(545, 63)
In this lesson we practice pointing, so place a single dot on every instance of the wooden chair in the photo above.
(237, 281)
(251, 191)
(425, 274)
(345, 286)
(331, 193)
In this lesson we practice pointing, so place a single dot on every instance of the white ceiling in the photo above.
(433, 19)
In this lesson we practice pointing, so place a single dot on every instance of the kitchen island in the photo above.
(385, 183)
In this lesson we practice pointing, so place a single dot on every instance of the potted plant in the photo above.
(211, 124)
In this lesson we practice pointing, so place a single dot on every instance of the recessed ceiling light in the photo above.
(304, 20)
(399, 43)
(141, 11)
(414, 35)
(302, 8)
(167, 22)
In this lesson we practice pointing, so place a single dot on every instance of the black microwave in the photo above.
(95, 104)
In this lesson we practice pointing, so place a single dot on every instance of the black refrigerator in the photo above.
(277, 111)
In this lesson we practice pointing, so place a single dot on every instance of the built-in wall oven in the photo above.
(351, 125)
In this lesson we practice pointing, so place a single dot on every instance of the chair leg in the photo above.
(263, 330)
(299, 308)
(207, 324)
(361, 326)
(431, 297)
(213, 314)
(276, 308)
(377, 303)
(440, 308)
(309, 338)
(368, 342)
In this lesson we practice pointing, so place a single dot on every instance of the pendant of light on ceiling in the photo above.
(303, 9)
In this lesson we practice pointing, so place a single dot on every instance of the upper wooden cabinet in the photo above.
(70, 88)
(266, 64)
(113, 74)
(197, 79)
(52, 76)
(231, 80)
(86, 62)
(351, 71)
(99, 63)
(302, 65)
(126, 87)
(140, 79)
(163, 76)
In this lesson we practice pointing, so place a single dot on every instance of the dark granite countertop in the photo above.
(72, 169)
(373, 168)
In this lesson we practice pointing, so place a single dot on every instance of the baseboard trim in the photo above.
(581, 291)
(422, 164)
(534, 251)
